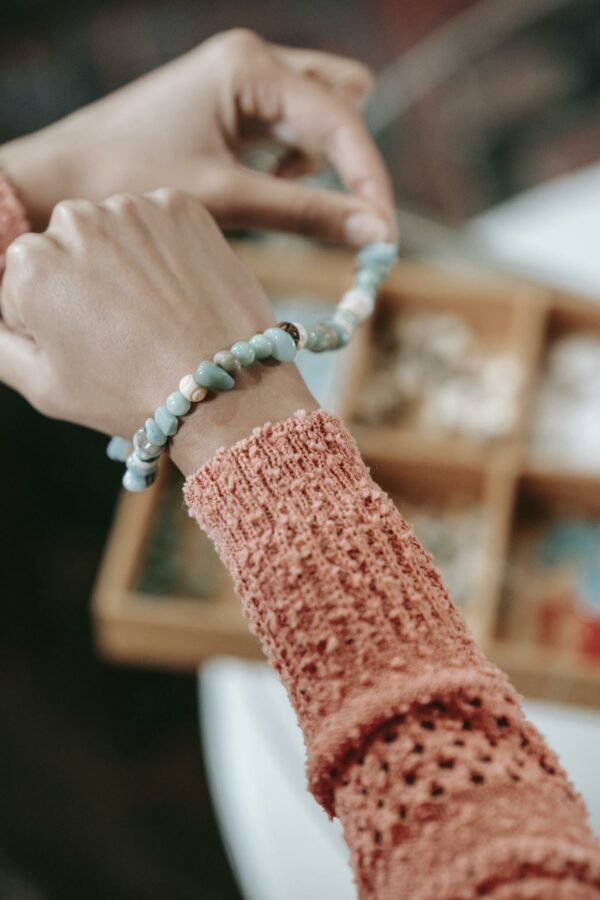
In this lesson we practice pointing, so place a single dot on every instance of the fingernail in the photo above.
(366, 228)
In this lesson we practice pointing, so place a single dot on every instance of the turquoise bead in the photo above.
(134, 482)
(284, 347)
(380, 254)
(144, 448)
(154, 433)
(327, 337)
(140, 467)
(314, 339)
(341, 334)
(118, 449)
(346, 316)
(213, 377)
(166, 421)
(177, 404)
(344, 330)
(368, 279)
(243, 351)
(261, 345)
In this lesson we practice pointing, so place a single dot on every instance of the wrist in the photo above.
(271, 395)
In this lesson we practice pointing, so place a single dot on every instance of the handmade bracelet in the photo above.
(281, 342)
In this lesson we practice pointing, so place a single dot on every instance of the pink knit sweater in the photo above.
(414, 740)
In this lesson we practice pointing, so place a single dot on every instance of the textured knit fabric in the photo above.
(414, 740)
(13, 220)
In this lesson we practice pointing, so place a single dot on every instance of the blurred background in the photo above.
(102, 786)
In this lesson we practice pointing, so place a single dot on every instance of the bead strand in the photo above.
(281, 342)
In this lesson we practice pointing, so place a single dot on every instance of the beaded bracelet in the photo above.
(281, 342)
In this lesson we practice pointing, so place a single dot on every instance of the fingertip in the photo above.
(366, 226)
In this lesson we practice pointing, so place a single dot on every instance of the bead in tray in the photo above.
(430, 373)
(565, 426)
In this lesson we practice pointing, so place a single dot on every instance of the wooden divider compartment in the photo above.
(178, 631)
(546, 648)
(133, 623)
(562, 316)
(506, 316)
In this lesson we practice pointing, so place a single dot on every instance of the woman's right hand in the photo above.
(188, 125)
(108, 309)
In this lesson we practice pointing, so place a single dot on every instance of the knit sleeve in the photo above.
(414, 740)
(13, 219)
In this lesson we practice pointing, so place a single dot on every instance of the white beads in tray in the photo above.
(430, 370)
(565, 426)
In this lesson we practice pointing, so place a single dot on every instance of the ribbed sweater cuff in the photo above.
(234, 493)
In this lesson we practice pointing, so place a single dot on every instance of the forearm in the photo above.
(414, 740)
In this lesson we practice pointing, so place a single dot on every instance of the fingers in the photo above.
(323, 124)
(262, 201)
(347, 77)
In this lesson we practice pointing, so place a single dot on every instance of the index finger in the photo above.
(347, 77)
(321, 122)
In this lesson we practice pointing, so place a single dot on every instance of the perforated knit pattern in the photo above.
(448, 778)
(13, 220)
(413, 738)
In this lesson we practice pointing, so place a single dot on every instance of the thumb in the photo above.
(257, 200)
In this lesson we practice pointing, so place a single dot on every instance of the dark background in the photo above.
(102, 791)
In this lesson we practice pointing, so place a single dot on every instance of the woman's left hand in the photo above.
(187, 125)
(106, 311)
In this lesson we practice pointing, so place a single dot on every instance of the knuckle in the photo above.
(170, 198)
(240, 39)
(362, 76)
(73, 211)
(24, 254)
(123, 204)
(17, 255)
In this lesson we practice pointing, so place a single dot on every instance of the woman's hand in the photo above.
(108, 309)
(186, 125)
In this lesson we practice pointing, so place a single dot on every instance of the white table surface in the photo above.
(281, 845)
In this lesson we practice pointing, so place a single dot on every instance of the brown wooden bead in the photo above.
(291, 330)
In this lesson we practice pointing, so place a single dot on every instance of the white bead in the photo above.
(191, 390)
(303, 335)
(359, 302)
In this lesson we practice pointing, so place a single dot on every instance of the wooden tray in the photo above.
(165, 626)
